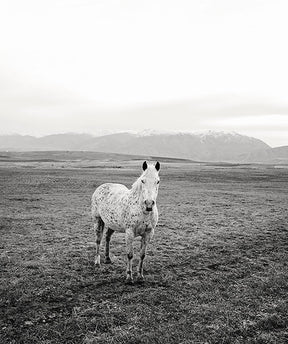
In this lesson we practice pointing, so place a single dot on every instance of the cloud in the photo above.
(35, 109)
(188, 65)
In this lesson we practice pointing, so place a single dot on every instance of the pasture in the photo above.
(216, 270)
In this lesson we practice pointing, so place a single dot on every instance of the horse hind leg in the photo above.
(99, 228)
(107, 246)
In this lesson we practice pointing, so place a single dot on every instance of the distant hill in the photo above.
(77, 156)
(65, 141)
(207, 146)
(278, 155)
(199, 146)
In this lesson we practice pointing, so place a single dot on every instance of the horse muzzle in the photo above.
(149, 205)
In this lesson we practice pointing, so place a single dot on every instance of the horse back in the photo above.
(108, 195)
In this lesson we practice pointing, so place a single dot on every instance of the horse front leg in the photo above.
(143, 248)
(129, 250)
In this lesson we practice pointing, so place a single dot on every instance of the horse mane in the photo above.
(136, 186)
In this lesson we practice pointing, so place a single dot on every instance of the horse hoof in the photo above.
(140, 279)
(129, 281)
(107, 260)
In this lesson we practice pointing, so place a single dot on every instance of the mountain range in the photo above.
(199, 146)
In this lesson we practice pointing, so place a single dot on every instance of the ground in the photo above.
(216, 271)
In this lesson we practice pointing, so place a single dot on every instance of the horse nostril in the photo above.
(149, 203)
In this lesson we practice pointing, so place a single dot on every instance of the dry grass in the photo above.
(216, 270)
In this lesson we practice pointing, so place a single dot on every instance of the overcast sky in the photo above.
(93, 65)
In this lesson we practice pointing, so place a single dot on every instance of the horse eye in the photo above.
(158, 181)
(142, 181)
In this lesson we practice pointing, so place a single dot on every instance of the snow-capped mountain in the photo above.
(200, 146)
(201, 133)
(152, 132)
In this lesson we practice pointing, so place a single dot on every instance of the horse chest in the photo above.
(140, 231)
(144, 224)
(141, 228)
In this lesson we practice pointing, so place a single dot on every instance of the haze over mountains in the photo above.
(198, 146)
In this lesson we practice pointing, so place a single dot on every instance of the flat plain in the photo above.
(216, 271)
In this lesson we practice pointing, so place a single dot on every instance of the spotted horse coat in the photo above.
(132, 211)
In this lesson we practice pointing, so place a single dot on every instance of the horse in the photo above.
(130, 211)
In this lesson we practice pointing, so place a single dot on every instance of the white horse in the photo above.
(131, 211)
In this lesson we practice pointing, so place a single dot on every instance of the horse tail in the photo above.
(94, 207)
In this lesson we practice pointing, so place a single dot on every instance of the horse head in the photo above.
(149, 185)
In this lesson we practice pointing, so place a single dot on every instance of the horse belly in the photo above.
(112, 221)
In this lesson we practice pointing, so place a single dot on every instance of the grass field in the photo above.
(216, 271)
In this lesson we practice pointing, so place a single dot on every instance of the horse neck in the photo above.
(135, 191)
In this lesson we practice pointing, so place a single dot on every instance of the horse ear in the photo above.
(157, 166)
(144, 166)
